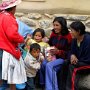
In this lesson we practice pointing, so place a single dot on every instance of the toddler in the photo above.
(32, 65)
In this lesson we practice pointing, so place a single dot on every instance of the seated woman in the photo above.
(79, 58)
(60, 38)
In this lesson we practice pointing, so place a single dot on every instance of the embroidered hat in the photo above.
(8, 4)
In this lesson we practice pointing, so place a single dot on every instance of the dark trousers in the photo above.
(30, 83)
(62, 75)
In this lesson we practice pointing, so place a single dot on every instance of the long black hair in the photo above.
(62, 21)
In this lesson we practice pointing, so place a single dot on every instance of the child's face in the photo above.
(38, 37)
(35, 53)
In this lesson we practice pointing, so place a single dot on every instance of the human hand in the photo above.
(45, 39)
(41, 58)
(74, 59)
(28, 38)
(54, 50)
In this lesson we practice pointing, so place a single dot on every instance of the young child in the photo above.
(32, 64)
(37, 37)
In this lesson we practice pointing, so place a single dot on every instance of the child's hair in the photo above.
(34, 46)
(39, 30)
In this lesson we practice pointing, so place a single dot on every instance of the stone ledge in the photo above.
(56, 6)
(54, 11)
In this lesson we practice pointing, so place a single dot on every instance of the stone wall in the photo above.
(41, 14)
(36, 20)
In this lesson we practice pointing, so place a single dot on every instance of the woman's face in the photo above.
(57, 27)
(38, 37)
(74, 33)
(14, 9)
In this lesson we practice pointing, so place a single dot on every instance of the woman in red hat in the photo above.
(11, 64)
